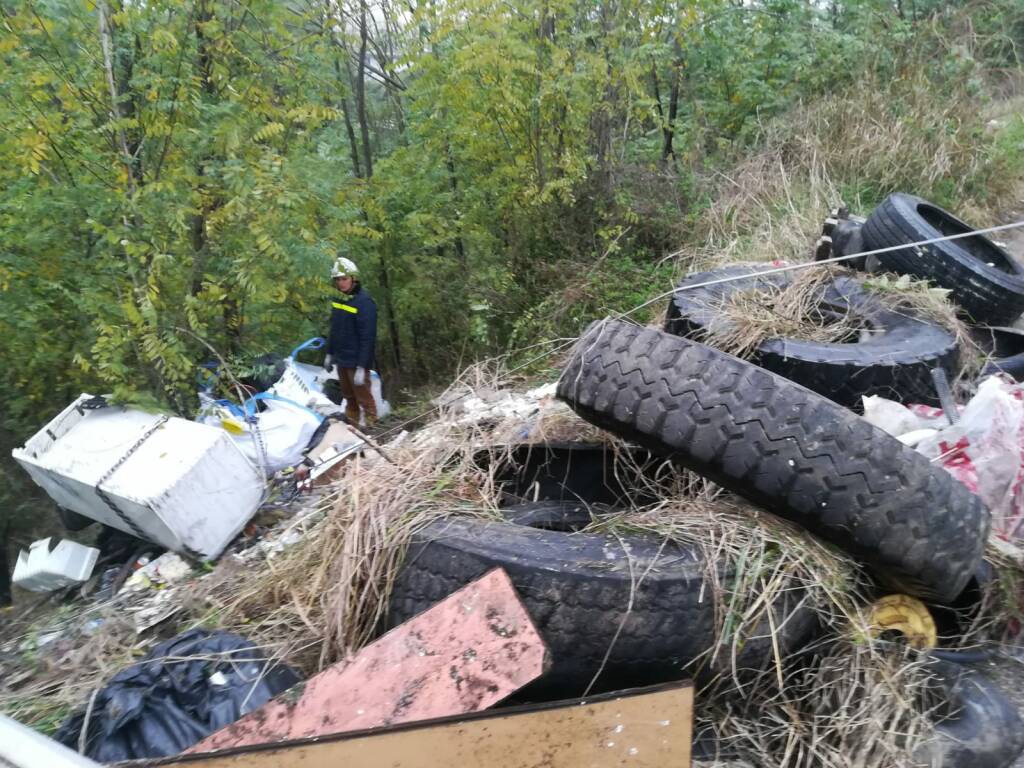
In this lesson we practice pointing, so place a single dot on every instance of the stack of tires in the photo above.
(777, 430)
(897, 355)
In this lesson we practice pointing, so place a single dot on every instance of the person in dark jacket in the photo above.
(352, 340)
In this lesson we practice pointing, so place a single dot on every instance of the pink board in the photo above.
(467, 653)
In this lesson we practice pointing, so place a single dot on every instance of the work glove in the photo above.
(328, 363)
(360, 377)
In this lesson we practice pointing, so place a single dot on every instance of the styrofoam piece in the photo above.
(303, 384)
(186, 486)
(44, 569)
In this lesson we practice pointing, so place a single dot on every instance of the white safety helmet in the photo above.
(344, 268)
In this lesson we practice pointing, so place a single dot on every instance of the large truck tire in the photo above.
(894, 361)
(983, 279)
(634, 616)
(793, 452)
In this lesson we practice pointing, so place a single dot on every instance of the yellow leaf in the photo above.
(268, 131)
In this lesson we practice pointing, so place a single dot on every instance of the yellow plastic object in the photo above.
(232, 426)
(906, 615)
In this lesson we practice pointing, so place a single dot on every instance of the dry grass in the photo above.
(795, 310)
(872, 139)
(44, 684)
(848, 705)
(920, 299)
(325, 598)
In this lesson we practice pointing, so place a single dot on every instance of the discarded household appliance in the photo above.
(44, 568)
(183, 485)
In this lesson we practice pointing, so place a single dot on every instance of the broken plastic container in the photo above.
(43, 569)
(183, 485)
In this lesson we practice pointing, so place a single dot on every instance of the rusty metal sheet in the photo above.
(643, 728)
(467, 653)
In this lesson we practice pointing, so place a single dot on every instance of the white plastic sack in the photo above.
(383, 406)
(304, 384)
(984, 450)
(273, 439)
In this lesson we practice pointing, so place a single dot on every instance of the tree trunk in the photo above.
(5, 572)
(364, 124)
(120, 137)
(197, 227)
(460, 251)
(352, 144)
(385, 279)
(669, 129)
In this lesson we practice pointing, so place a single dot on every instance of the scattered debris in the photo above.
(984, 450)
(796, 650)
(167, 569)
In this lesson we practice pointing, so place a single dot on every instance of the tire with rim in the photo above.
(983, 278)
(795, 453)
(648, 607)
(894, 359)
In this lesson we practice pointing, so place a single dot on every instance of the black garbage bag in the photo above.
(182, 691)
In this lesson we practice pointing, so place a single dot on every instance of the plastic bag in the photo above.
(273, 438)
(984, 450)
(383, 406)
(185, 689)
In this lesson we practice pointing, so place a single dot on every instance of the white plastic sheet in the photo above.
(984, 450)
